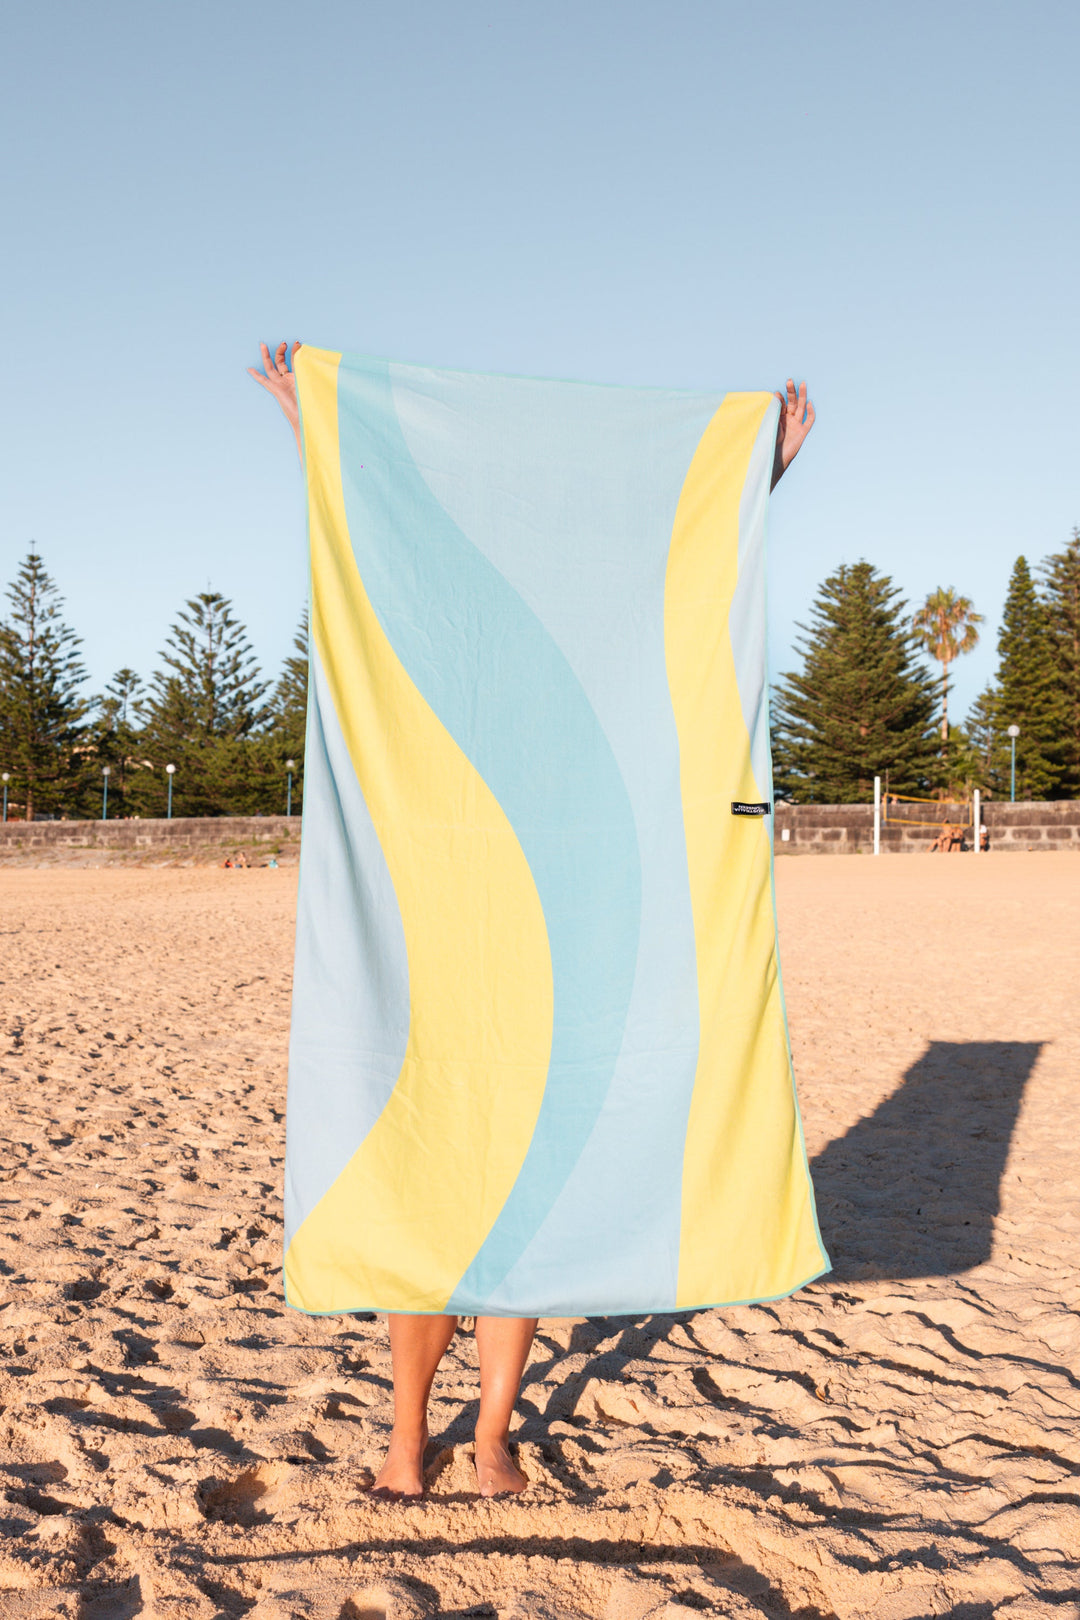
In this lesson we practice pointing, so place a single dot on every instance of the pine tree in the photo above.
(123, 697)
(1061, 585)
(863, 705)
(117, 734)
(986, 733)
(205, 700)
(1029, 692)
(960, 767)
(240, 777)
(289, 703)
(210, 686)
(40, 707)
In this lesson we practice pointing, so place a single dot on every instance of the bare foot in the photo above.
(402, 1474)
(496, 1470)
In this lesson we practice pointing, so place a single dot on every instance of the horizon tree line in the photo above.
(863, 705)
(207, 709)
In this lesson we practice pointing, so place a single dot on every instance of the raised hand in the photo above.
(796, 420)
(279, 381)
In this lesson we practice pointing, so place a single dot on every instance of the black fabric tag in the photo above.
(738, 808)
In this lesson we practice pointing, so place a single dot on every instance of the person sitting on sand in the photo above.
(418, 1343)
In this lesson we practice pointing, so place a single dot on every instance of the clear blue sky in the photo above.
(882, 198)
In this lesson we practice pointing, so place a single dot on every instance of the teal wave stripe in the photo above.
(616, 459)
(498, 682)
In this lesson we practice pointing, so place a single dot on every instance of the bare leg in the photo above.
(503, 1343)
(417, 1345)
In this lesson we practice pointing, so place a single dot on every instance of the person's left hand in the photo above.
(796, 420)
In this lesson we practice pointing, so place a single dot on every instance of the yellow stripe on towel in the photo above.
(748, 1229)
(423, 1189)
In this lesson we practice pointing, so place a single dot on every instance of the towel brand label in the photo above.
(738, 808)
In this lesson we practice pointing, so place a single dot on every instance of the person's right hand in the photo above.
(280, 381)
(796, 419)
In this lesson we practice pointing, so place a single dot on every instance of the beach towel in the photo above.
(539, 1060)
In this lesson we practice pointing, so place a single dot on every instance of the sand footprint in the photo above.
(342, 1600)
(248, 1499)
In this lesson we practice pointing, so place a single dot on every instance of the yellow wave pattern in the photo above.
(748, 1229)
(423, 1189)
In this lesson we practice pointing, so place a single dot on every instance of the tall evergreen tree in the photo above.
(40, 707)
(288, 723)
(989, 743)
(862, 705)
(960, 768)
(206, 699)
(1061, 585)
(210, 685)
(117, 734)
(289, 703)
(1029, 693)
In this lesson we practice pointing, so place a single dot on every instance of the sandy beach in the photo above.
(901, 1439)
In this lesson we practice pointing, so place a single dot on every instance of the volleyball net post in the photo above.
(976, 823)
(877, 815)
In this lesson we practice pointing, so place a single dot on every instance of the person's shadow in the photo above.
(912, 1190)
(909, 1191)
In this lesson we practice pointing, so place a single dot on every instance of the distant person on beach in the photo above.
(949, 841)
(418, 1343)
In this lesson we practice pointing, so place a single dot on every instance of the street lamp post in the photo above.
(290, 766)
(6, 778)
(171, 771)
(1014, 732)
(105, 793)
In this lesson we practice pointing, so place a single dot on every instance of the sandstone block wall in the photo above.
(848, 829)
(181, 841)
(813, 829)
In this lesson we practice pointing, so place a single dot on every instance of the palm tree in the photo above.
(945, 626)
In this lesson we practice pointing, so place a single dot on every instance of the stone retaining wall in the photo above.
(813, 829)
(181, 841)
(848, 829)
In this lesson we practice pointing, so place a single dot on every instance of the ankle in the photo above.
(492, 1437)
(409, 1432)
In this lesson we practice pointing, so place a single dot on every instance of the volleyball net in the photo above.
(920, 812)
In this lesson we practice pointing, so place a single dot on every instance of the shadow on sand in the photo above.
(912, 1190)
